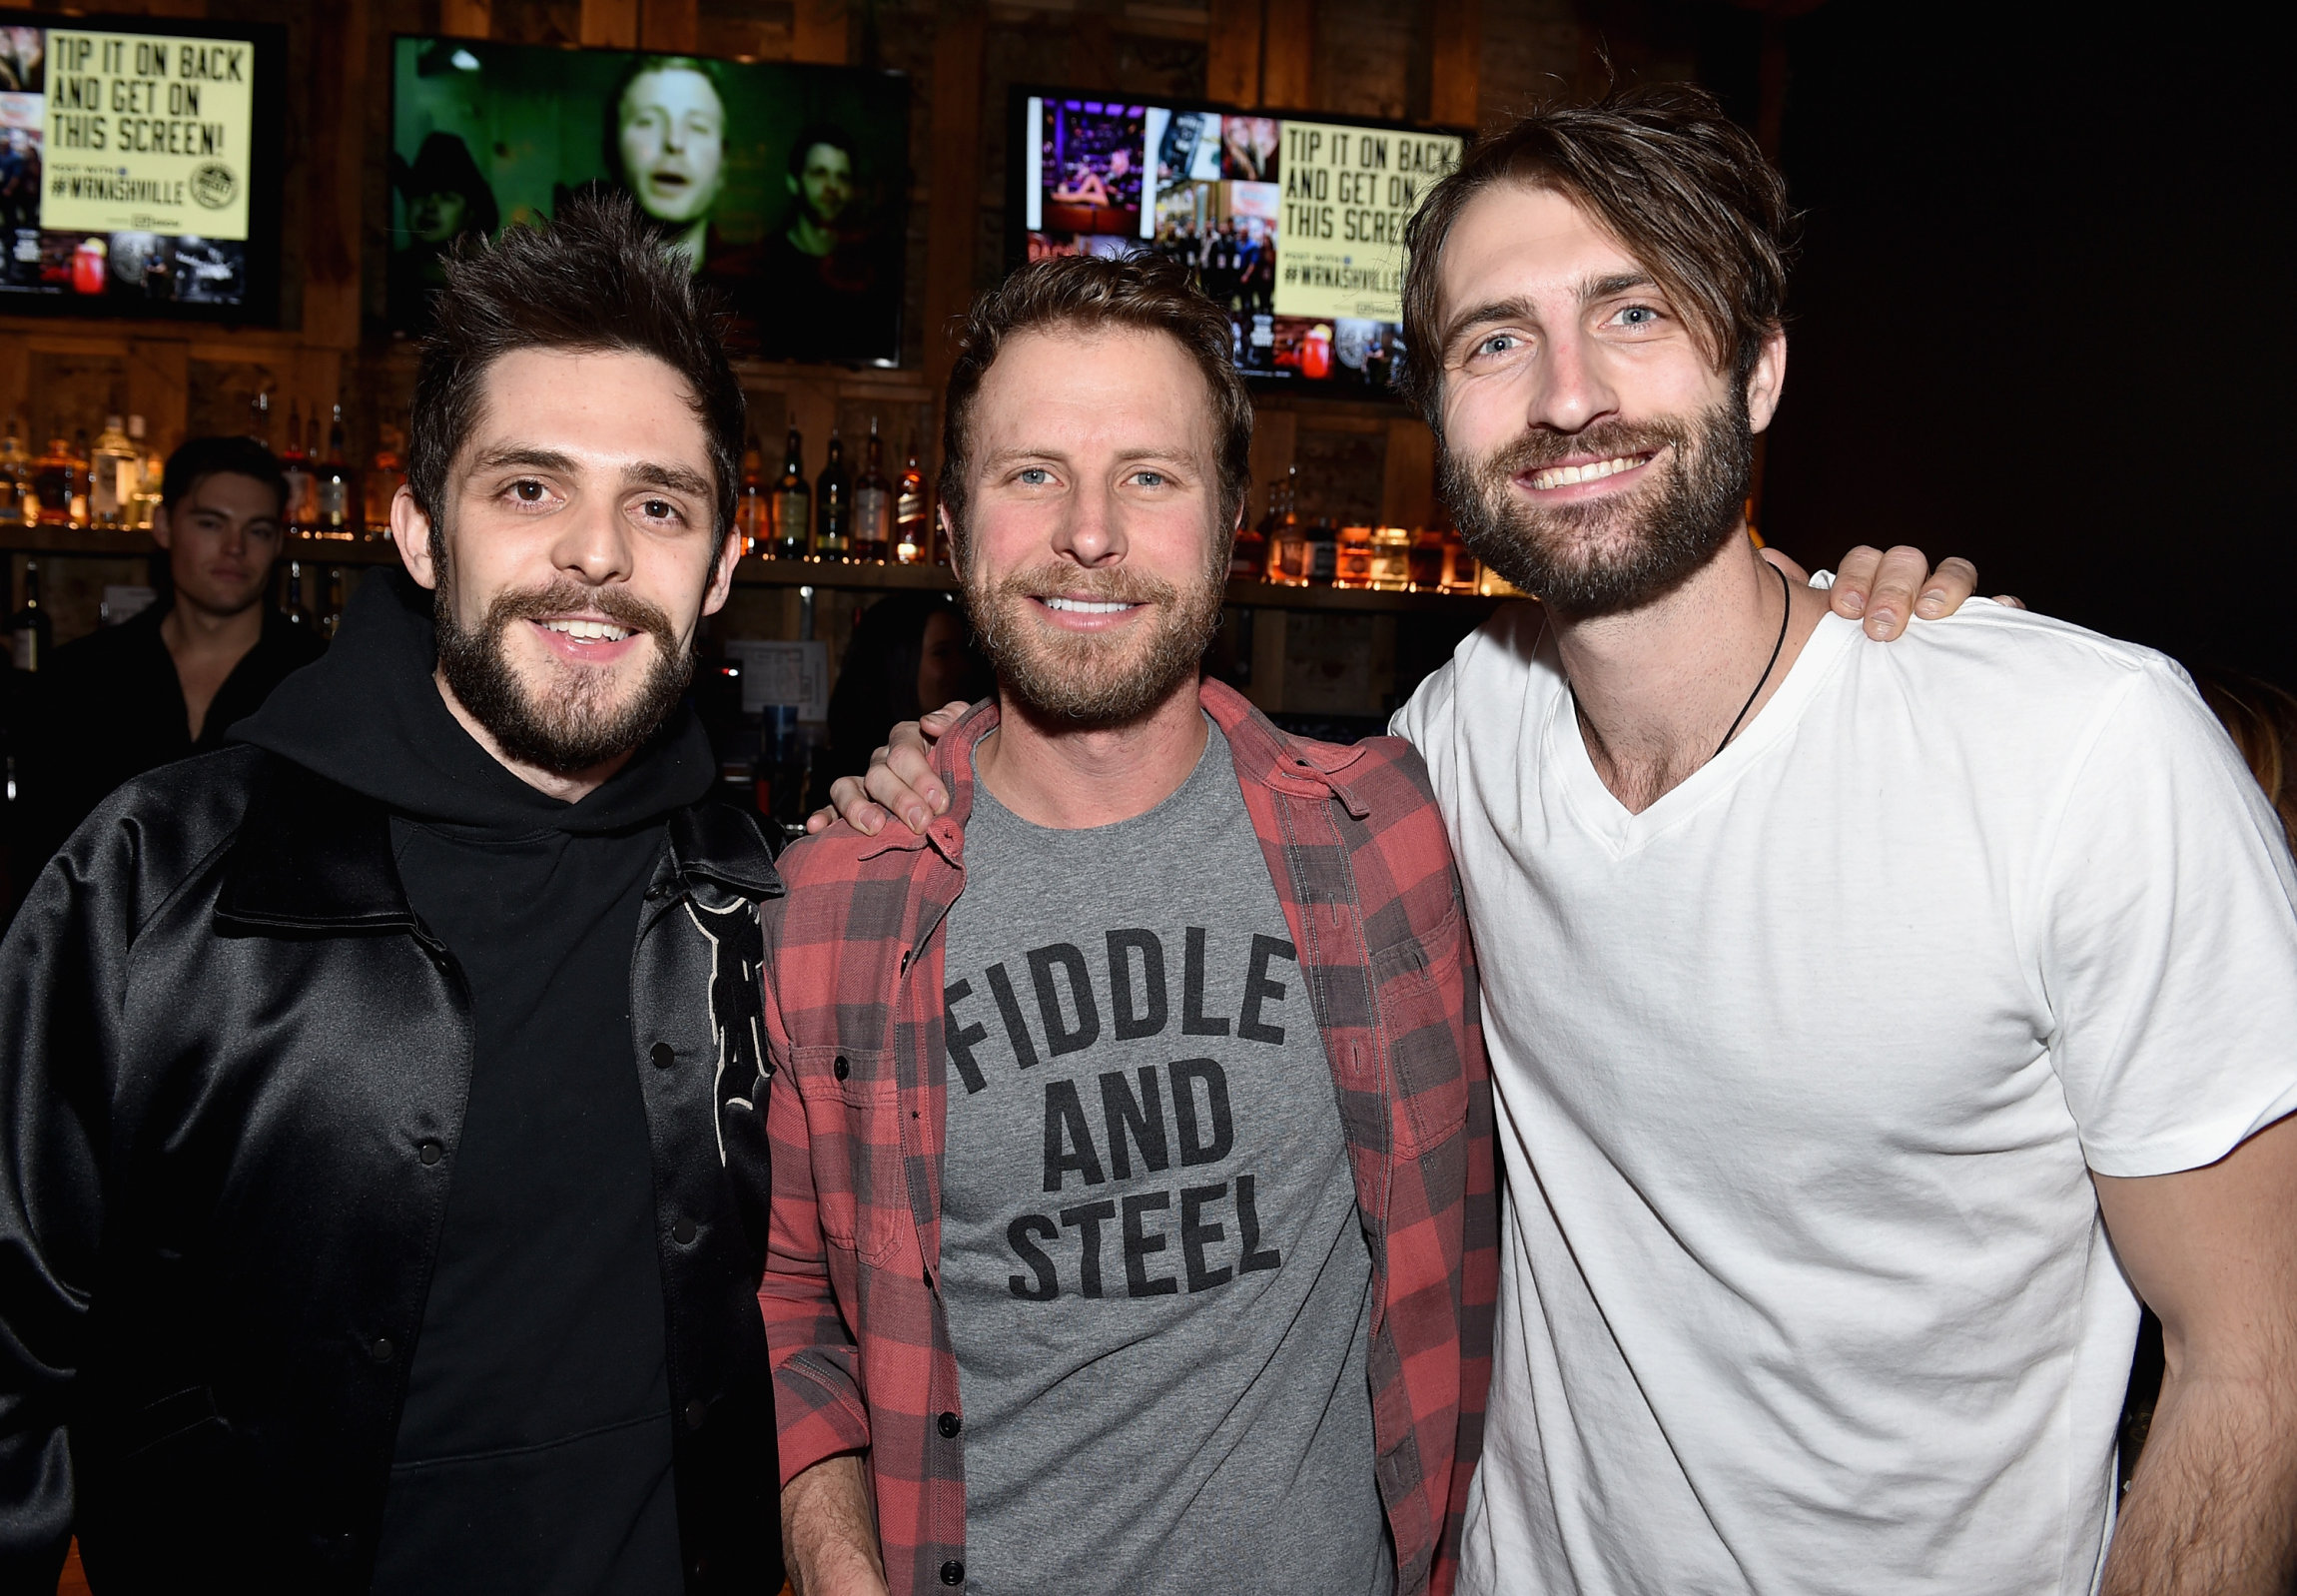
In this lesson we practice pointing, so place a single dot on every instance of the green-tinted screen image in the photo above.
(784, 185)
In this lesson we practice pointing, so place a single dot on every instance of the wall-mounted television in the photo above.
(785, 185)
(140, 167)
(1292, 223)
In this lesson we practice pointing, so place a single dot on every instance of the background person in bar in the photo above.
(175, 680)
(909, 650)
(382, 1164)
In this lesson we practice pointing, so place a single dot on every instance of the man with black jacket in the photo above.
(382, 1169)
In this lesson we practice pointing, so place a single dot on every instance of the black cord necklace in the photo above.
(1785, 609)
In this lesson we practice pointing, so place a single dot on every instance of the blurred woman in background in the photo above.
(910, 653)
(2262, 719)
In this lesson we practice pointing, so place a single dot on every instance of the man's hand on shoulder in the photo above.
(1885, 590)
(900, 780)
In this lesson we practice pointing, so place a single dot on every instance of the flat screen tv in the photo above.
(784, 185)
(1294, 224)
(140, 167)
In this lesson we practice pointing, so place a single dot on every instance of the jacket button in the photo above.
(683, 1232)
(696, 1411)
(948, 1426)
(379, 1349)
(840, 1068)
(664, 1054)
(431, 1153)
(952, 1572)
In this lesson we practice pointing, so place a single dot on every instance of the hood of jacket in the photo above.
(369, 717)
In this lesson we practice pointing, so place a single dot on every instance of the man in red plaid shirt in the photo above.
(1133, 1221)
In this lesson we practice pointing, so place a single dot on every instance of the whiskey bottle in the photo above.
(793, 504)
(295, 466)
(833, 507)
(58, 484)
(149, 470)
(873, 504)
(752, 506)
(1289, 557)
(912, 518)
(112, 473)
(16, 501)
(332, 491)
(384, 472)
(30, 631)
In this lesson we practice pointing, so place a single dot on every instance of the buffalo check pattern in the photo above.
(860, 1346)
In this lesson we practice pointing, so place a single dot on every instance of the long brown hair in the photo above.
(2262, 720)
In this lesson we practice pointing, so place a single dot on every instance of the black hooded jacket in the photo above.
(383, 1166)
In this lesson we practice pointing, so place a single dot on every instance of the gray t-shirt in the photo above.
(1155, 1278)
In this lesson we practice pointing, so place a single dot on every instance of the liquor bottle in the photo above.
(1392, 558)
(149, 466)
(1248, 555)
(1352, 560)
(292, 605)
(80, 449)
(1323, 551)
(793, 503)
(112, 473)
(1289, 556)
(833, 507)
(58, 484)
(332, 491)
(30, 630)
(16, 502)
(384, 473)
(752, 507)
(1462, 571)
(873, 504)
(912, 514)
(1427, 559)
(295, 465)
(259, 417)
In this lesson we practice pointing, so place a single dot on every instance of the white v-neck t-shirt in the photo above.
(1802, 1073)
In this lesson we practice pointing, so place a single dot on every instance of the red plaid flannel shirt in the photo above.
(860, 1347)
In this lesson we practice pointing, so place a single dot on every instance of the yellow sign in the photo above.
(147, 132)
(1347, 194)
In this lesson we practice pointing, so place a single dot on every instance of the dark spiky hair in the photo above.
(594, 280)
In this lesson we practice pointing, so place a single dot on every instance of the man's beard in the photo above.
(1093, 679)
(571, 723)
(1608, 556)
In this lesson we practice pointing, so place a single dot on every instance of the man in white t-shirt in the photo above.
(1866, 1022)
